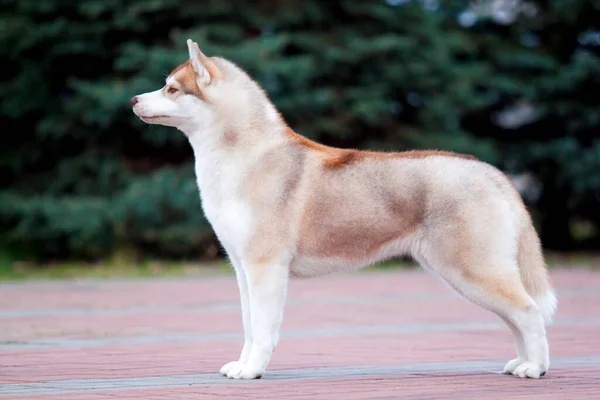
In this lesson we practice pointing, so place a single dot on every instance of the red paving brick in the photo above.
(564, 384)
(327, 324)
(196, 320)
(190, 358)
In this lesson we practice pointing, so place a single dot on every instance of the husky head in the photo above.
(206, 94)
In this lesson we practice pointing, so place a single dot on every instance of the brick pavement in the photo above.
(375, 335)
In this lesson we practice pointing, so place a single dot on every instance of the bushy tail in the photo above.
(534, 273)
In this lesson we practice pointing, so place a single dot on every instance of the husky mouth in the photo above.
(163, 116)
(153, 116)
(151, 119)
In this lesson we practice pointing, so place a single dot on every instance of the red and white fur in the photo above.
(283, 205)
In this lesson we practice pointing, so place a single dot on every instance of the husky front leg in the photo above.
(268, 289)
(242, 281)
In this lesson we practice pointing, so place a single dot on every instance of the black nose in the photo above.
(134, 100)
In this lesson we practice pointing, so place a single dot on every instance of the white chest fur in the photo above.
(228, 213)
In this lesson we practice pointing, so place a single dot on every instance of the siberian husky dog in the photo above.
(282, 205)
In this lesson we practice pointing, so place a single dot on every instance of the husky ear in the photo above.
(205, 69)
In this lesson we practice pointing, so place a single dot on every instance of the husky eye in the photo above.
(171, 89)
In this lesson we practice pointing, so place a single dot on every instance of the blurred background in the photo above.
(513, 82)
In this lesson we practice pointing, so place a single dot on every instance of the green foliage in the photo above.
(82, 177)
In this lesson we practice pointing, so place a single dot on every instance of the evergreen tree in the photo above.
(544, 69)
(81, 176)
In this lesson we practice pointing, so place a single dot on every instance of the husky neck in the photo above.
(225, 152)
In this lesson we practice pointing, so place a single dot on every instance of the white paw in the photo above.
(230, 366)
(243, 371)
(528, 370)
(510, 366)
